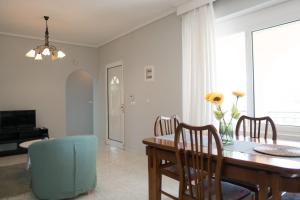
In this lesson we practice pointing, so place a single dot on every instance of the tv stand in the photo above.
(10, 138)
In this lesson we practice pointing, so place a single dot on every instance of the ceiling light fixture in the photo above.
(46, 49)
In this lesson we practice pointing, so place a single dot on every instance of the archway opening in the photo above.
(79, 103)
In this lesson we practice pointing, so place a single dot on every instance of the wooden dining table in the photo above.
(241, 163)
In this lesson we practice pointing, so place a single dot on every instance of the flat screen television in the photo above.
(17, 119)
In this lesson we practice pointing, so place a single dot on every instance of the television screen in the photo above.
(7, 119)
(17, 119)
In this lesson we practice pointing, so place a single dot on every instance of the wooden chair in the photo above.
(200, 155)
(255, 127)
(167, 126)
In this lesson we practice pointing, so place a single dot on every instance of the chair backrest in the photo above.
(197, 147)
(257, 127)
(165, 125)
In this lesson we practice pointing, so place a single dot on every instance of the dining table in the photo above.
(241, 163)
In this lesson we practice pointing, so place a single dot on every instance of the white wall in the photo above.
(79, 103)
(28, 84)
(157, 44)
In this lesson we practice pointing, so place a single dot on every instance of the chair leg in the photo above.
(160, 185)
(256, 195)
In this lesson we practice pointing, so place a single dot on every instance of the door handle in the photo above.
(122, 108)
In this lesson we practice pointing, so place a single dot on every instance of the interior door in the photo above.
(115, 103)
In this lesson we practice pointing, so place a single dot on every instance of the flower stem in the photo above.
(227, 126)
(220, 108)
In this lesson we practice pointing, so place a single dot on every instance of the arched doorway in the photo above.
(79, 103)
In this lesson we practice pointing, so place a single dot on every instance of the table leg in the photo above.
(276, 193)
(263, 192)
(263, 187)
(28, 162)
(154, 178)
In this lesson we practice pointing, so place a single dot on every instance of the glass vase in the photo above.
(226, 132)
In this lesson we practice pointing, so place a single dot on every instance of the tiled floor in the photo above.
(121, 175)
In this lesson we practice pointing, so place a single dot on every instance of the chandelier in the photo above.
(46, 49)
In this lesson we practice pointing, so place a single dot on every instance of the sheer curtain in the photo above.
(198, 47)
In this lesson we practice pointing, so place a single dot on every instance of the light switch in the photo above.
(132, 99)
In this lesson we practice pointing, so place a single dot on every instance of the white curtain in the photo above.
(198, 47)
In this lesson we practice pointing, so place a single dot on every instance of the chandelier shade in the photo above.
(45, 49)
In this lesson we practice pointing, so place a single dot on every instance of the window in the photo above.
(276, 61)
(231, 68)
(263, 49)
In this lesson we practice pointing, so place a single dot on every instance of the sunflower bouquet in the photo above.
(225, 129)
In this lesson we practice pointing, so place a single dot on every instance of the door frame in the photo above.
(107, 140)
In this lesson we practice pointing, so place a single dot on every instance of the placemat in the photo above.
(278, 150)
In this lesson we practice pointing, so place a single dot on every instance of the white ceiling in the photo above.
(83, 22)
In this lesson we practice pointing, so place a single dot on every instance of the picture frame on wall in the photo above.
(149, 73)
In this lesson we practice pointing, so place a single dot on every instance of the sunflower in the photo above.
(217, 98)
(209, 96)
(238, 93)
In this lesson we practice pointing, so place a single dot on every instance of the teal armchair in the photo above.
(63, 168)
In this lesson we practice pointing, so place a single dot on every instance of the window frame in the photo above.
(250, 23)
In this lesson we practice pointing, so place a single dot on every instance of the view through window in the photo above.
(276, 59)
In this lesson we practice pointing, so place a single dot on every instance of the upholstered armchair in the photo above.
(63, 168)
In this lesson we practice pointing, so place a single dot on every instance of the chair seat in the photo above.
(234, 192)
(171, 170)
(229, 191)
(291, 196)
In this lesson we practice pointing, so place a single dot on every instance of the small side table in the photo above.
(26, 145)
